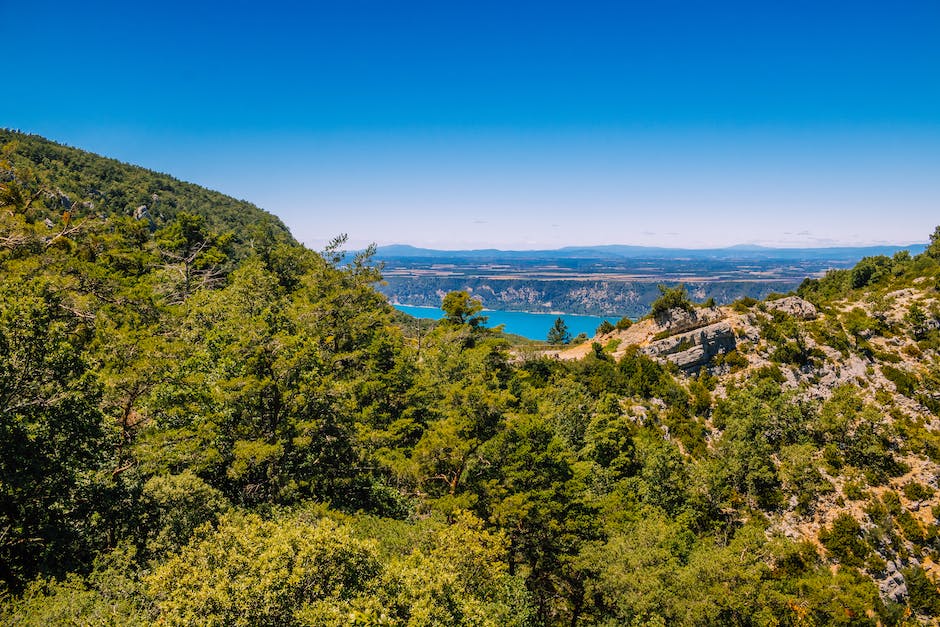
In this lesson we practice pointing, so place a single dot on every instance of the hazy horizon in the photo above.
(731, 246)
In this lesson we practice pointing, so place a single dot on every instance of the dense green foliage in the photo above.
(42, 179)
(671, 298)
(204, 423)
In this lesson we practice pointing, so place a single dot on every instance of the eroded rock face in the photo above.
(679, 320)
(892, 585)
(693, 349)
(849, 370)
(794, 306)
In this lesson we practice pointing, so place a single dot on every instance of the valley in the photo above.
(605, 280)
(205, 422)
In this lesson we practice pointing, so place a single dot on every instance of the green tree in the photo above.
(460, 308)
(671, 298)
(757, 422)
(251, 571)
(916, 318)
(858, 324)
(52, 437)
(933, 249)
(870, 270)
(193, 257)
(467, 388)
(845, 541)
(801, 477)
(924, 596)
(460, 578)
(110, 596)
(260, 400)
(638, 569)
(559, 334)
(303, 570)
(174, 506)
(528, 483)
(663, 477)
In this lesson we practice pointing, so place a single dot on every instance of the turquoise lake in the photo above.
(533, 326)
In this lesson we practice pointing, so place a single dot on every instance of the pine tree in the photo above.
(559, 334)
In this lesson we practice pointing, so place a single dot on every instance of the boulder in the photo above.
(679, 320)
(892, 585)
(794, 306)
(693, 349)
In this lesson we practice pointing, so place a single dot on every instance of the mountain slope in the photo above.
(199, 430)
(69, 179)
(864, 357)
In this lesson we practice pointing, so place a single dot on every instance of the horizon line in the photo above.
(775, 246)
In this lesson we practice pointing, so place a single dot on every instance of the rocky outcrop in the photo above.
(679, 320)
(892, 585)
(836, 371)
(794, 306)
(693, 349)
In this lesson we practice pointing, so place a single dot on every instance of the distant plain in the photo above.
(605, 280)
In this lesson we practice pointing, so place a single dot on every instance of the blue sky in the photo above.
(515, 125)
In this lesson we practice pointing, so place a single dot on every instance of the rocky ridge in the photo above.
(866, 346)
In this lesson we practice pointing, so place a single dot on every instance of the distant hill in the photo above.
(614, 251)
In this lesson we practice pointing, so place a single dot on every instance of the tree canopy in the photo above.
(204, 422)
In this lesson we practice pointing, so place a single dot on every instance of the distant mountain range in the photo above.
(615, 251)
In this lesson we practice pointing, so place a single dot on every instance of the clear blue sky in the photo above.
(517, 125)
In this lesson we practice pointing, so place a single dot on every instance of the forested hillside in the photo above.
(205, 423)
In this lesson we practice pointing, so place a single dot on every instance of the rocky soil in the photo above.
(696, 340)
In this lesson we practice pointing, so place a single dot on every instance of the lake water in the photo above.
(533, 326)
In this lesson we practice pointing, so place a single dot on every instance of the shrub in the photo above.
(734, 360)
(911, 528)
(870, 270)
(905, 382)
(917, 491)
(800, 476)
(624, 323)
(672, 298)
(854, 491)
(891, 502)
(252, 571)
(922, 592)
(743, 304)
(796, 352)
(845, 542)
(916, 319)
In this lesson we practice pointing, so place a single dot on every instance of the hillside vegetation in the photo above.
(204, 423)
